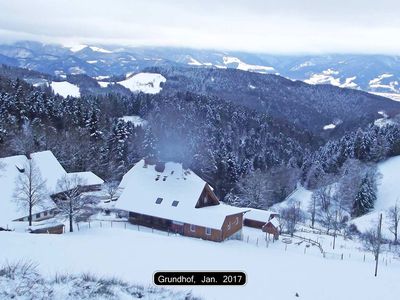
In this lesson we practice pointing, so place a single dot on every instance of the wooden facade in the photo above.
(231, 226)
(266, 226)
(271, 229)
(253, 223)
(51, 229)
(207, 198)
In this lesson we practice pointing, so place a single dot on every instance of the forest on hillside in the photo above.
(233, 147)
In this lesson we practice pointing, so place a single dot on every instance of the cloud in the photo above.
(286, 26)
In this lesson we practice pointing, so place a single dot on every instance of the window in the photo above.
(208, 231)
(159, 200)
(205, 199)
(192, 228)
(175, 203)
(38, 216)
(237, 221)
(45, 213)
(229, 225)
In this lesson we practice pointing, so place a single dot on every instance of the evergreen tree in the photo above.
(366, 196)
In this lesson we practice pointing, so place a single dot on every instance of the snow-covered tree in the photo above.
(253, 190)
(366, 195)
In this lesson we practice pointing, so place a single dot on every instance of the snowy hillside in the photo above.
(388, 194)
(148, 83)
(134, 256)
(65, 89)
(240, 65)
(329, 76)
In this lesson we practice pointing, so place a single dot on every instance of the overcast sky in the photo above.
(274, 26)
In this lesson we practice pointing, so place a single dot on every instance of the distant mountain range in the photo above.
(373, 73)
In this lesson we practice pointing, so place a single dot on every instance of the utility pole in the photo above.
(378, 247)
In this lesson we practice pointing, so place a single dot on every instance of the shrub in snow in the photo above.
(21, 280)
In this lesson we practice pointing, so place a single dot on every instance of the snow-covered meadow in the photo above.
(274, 270)
(65, 89)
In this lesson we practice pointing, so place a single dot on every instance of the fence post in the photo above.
(111, 223)
(152, 230)
(101, 225)
(342, 256)
(257, 242)
(89, 224)
(364, 257)
(285, 247)
(138, 227)
(125, 225)
(247, 239)
(77, 225)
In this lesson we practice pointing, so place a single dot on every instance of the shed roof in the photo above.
(259, 215)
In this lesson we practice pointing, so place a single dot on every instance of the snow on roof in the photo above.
(9, 209)
(89, 178)
(50, 168)
(259, 215)
(141, 189)
(275, 222)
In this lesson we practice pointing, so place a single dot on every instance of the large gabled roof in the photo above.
(141, 189)
(9, 208)
(50, 170)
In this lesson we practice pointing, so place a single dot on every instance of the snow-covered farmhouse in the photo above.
(263, 219)
(168, 197)
(51, 172)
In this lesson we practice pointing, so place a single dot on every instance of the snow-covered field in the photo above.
(149, 83)
(135, 120)
(330, 76)
(273, 272)
(65, 89)
(227, 60)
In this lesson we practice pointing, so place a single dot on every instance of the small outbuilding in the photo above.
(265, 220)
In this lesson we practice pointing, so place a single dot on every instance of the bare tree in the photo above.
(312, 208)
(290, 217)
(70, 200)
(324, 202)
(393, 215)
(372, 240)
(30, 189)
(111, 190)
(253, 190)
